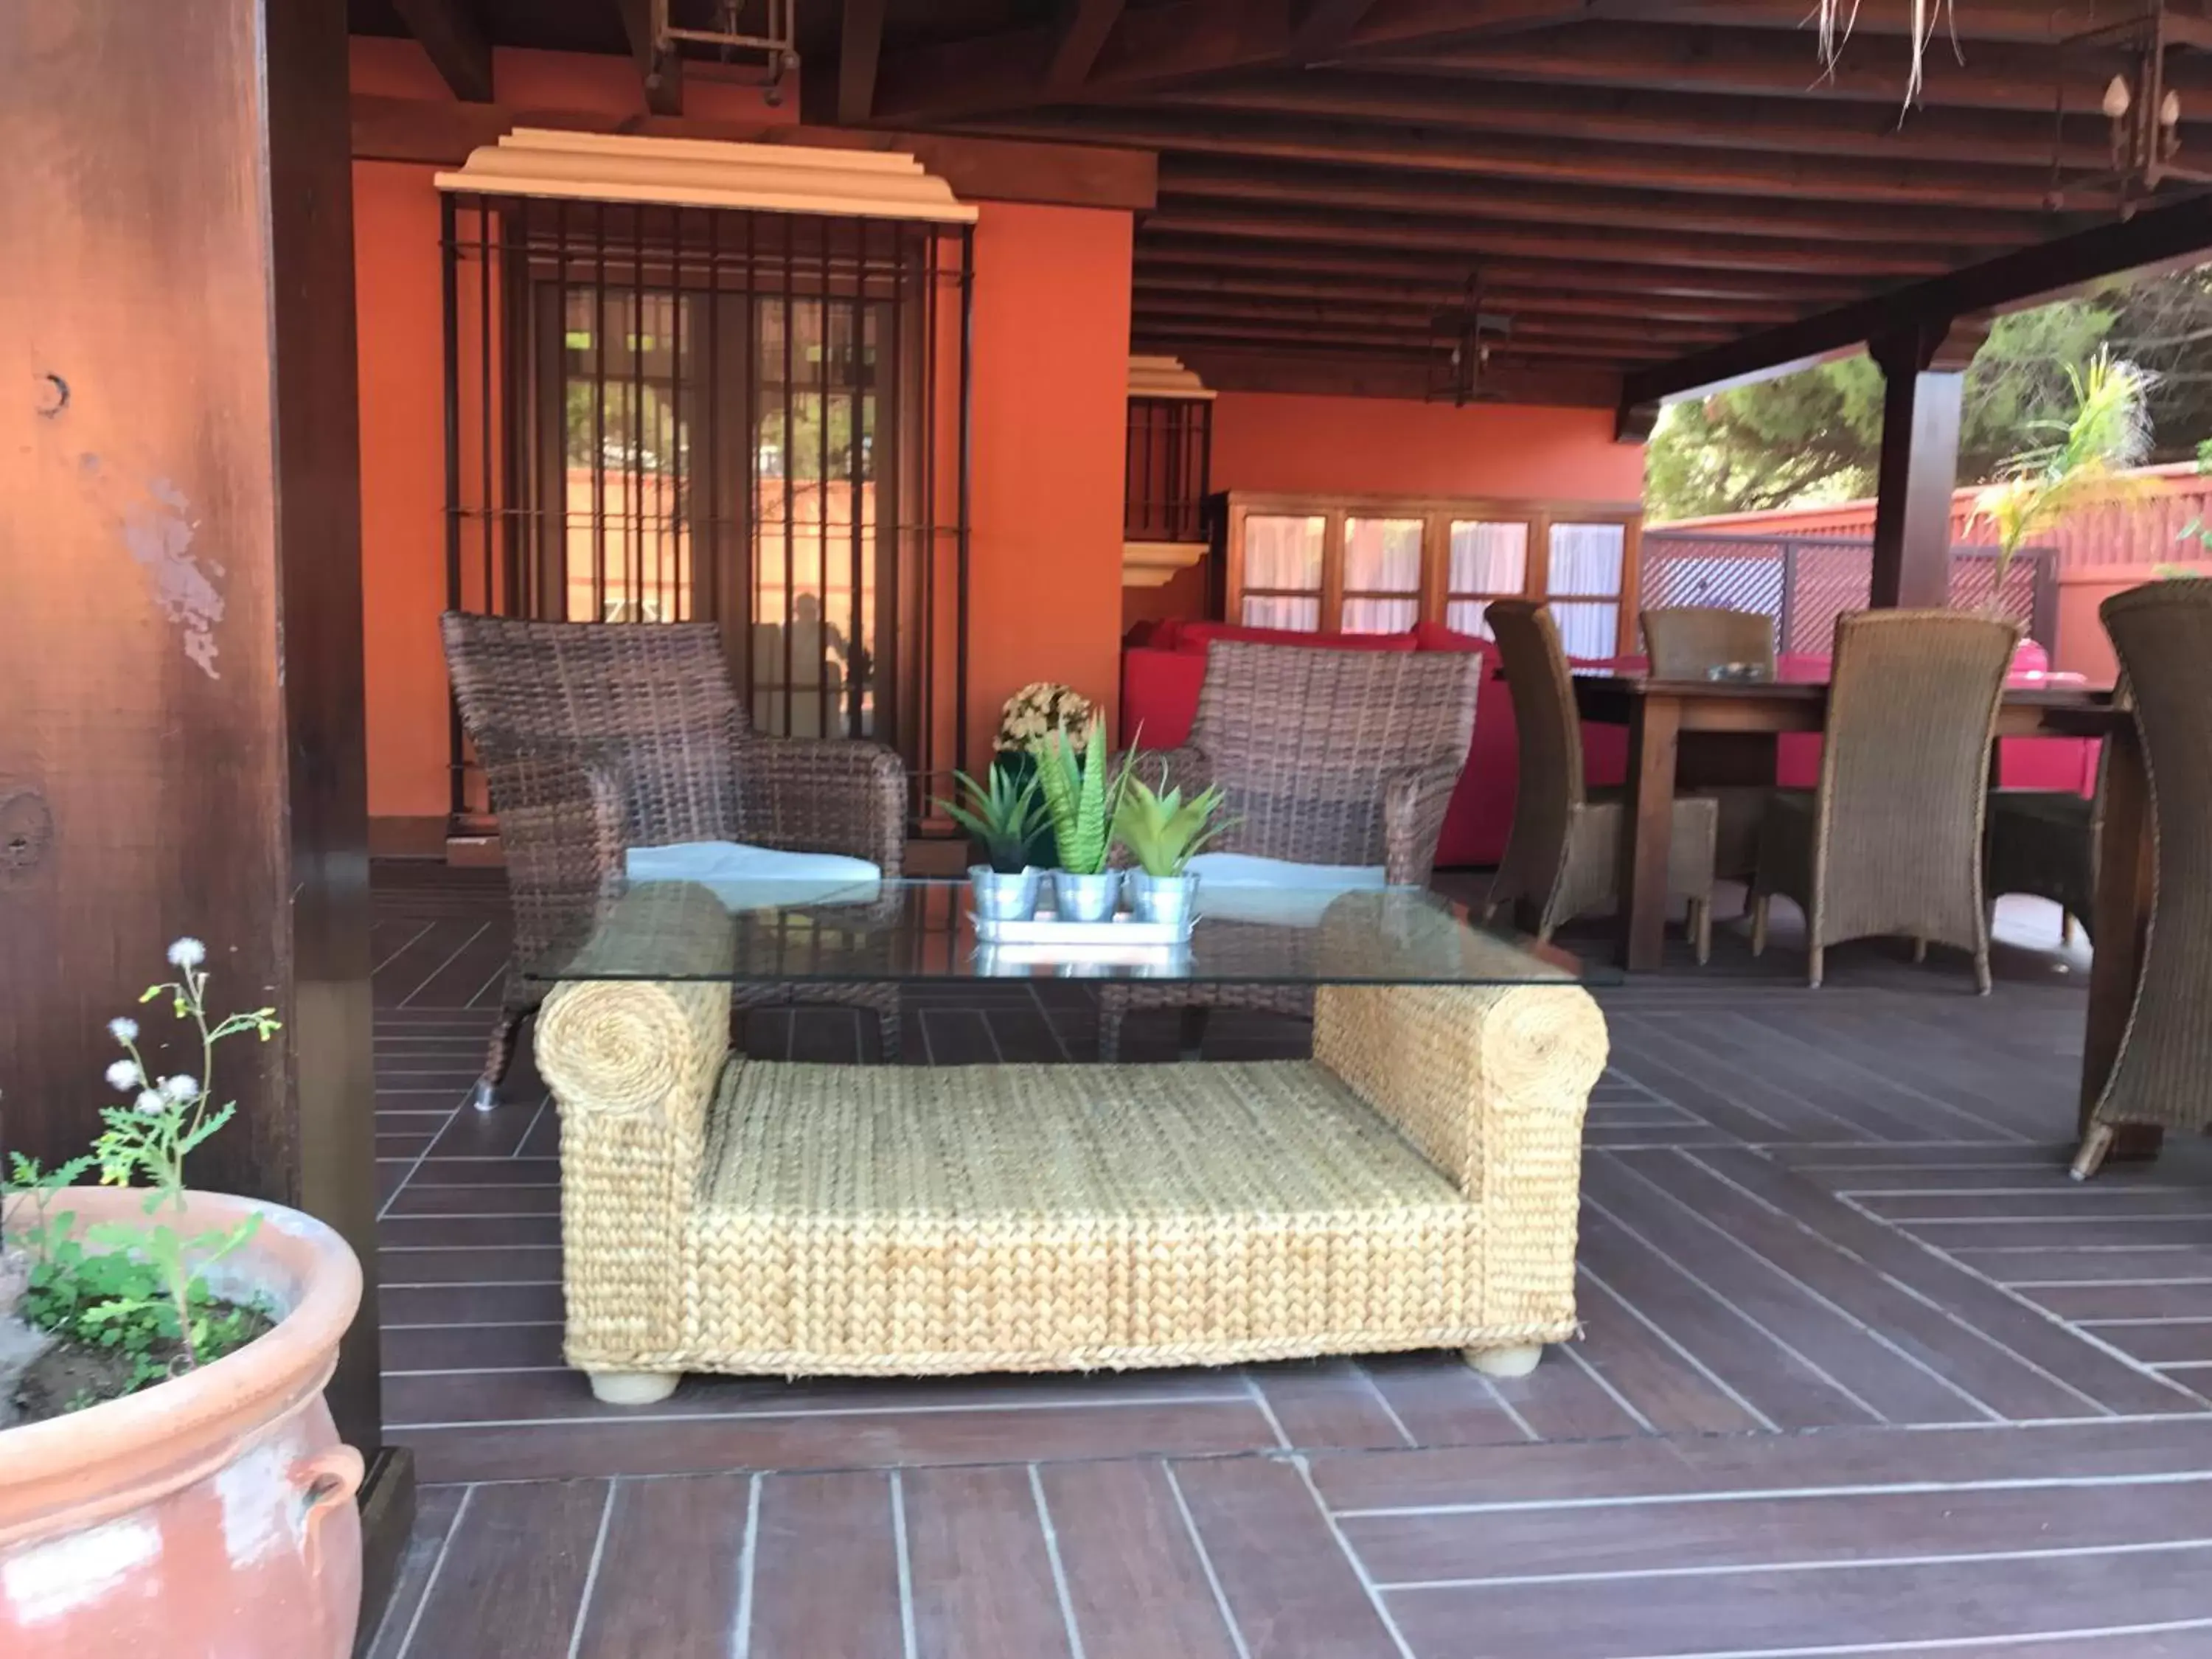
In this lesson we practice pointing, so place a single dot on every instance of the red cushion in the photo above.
(1197, 636)
(1159, 695)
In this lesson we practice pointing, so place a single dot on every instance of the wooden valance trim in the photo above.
(598, 167)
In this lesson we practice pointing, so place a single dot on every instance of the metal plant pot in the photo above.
(1169, 899)
(1085, 898)
(1003, 897)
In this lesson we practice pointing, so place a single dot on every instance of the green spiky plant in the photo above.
(1081, 798)
(1002, 817)
(1161, 829)
(2086, 459)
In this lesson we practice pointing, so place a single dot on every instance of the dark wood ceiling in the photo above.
(1632, 180)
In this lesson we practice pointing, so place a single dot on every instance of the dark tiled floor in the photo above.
(1864, 1373)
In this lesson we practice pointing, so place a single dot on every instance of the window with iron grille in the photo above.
(665, 414)
(1164, 486)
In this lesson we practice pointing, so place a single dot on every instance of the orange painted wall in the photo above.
(395, 216)
(1051, 367)
(1051, 420)
(1386, 446)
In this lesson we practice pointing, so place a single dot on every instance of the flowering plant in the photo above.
(145, 1296)
(1040, 708)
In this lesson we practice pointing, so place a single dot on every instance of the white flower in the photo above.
(181, 1087)
(187, 953)
(151, 1102)
(125, 1075)
(123, 1030)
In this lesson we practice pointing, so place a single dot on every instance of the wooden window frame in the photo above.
(1436, 513)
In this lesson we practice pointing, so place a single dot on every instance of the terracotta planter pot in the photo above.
(209, 1515)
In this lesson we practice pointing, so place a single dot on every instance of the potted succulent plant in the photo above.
(162, 1358)
(1002, 817)
(1081, 798)
(1163, 831)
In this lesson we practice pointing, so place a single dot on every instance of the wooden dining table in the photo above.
(1721, 723)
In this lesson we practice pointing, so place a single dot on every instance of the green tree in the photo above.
(1815, 436)
(2082, 459)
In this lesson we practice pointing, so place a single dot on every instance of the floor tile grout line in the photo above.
(1979, 1645)
(2004, 1135)
(1967, 1558)
(1573, 1351)
(483, 927)
(437, 1568)
(384, 1209)
(1058, 1567)
(1352, 1557)
(1384, 1400)
(1651, 1030)
(1763, 1494)
(1879, 1418)
(1850, 1255)
(530, 1128)
(644, 1417)
(1206, 1561)
(505, 968)
(592, 1572)
(1489, 1386)
(741, 1636)
(2040, 1312)
(1050, 1026)
(394, 955)
(1258, 1396)
(1682, 1353)
(909, 1641)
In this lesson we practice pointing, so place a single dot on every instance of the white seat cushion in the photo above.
(1243, 887)
(756, 878)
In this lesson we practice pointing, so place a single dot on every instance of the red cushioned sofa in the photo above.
(1163, 664)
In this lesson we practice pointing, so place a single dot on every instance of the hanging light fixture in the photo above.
(1464, 333)
(759, 34)
(2141, 111)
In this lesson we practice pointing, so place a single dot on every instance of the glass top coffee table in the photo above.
(901, 932)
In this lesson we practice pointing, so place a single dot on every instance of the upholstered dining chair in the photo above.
(600, 740)
(1563, 856)
(1336, 768)
(1687, 643)
(2162, 1075)
(1890, 842)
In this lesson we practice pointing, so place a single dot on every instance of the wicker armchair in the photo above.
(2163, 1073)
(1563, 856)
(1685, 640)
(1891, 842)
(595, 737)
(2047, 842)
(1332, 757)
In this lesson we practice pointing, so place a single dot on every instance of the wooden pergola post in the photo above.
(1924, 369)
(182, 747)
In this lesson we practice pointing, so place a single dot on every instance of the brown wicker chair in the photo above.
(2047, 842)
(1338, 757)
(2163, 1073)
(1891, 842)
(1562, 855)
(1686, 641)
(597, 737)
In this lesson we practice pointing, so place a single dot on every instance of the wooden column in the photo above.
(1925, 368)
(180, 646)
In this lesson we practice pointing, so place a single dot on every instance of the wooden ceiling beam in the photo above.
(1157, 46)
(1771, 126)
(1733, 62)
(1412, 343)
(1323, 26)
(455, 43)
(2023, 21)
(1524, 326)
(1083, 35)
(1152, 277)
(1157, 250)
(1479, 242)
(860, 54)
(2180, 233)
(1187, 179)
(1549, 160)
(1325, 371)
(659, 69)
